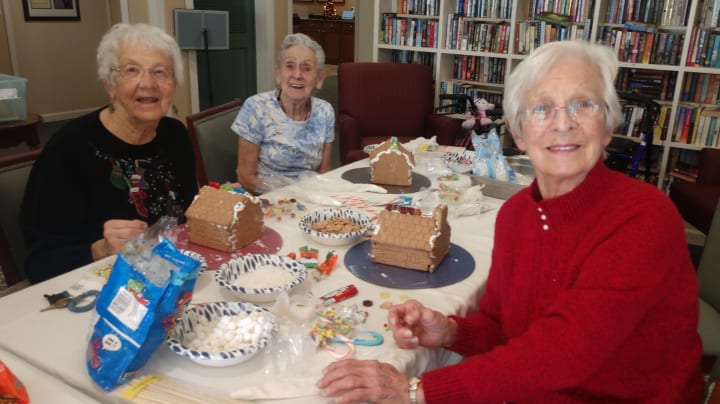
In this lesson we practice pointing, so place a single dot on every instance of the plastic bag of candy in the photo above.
(11, 388)
(489, 161)
(150, 284)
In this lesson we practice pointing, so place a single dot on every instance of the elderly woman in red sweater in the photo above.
(591, 295)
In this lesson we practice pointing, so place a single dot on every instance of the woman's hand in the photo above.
(413, 324)
(353, 380)
(115, 233)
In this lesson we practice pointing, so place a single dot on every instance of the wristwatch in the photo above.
(413, 384)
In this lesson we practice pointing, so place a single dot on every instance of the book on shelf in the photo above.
(695, 123)
(700, 48)
(683, 176)
(711, 12)
(659, 48)
(682, 125)
(647, 52)
(660, 129)
(707, 126)
(639, 26)
(692, 49)
(553, 18)
(677, 45)
(713, 59)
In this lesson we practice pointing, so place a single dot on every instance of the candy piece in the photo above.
(327, 266)
(308, 256)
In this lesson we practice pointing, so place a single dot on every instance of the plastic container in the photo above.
(12, 98)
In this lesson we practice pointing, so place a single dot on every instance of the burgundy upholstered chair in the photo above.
(696, 201)
(380, 100)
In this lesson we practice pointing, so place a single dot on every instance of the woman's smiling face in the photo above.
(298, 74)
(144, 98)
(563, 149)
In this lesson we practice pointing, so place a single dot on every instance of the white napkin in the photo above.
(422, 144)
(315, 189)
(419, 144)
(336, 185)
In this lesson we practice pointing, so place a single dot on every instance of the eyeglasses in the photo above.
(133, 72)
(542, 114)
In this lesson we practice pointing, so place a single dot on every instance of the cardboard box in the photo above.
(12, 98)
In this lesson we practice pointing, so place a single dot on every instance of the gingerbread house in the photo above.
(406, 239)
(391, 164)
(224, 220)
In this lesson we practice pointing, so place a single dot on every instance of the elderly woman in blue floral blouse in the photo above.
(286, 132)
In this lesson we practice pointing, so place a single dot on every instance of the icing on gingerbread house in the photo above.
(406, 238)
(391, 164)
(223, 219)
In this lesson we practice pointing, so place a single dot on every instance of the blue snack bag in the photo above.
(136, 308)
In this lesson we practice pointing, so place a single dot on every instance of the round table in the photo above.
(14, 132)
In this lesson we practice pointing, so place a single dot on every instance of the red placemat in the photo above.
(270, 242)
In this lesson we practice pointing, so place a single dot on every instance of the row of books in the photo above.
(484, 8)
(704, 48)
(632, 124)
(635, 120)
(491, 95)
(710, 13)
(701, 88)
(662, 12)
(532, 34)
(697, 126)
(643, 47)
(424, 58)
(470, 35)
(479, 68)
(656, 84)
(418, 7)
(417, 32)
(573, 10)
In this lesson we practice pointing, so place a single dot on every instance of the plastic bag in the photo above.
(489, 160)
(11, 388)
(150, 284)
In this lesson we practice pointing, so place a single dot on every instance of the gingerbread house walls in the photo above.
(224, 220)
(411, 241)
(391, 164)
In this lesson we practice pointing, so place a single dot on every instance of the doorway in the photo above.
(229, 74)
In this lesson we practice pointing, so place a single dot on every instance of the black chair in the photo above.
(14, 172)
(626, 151)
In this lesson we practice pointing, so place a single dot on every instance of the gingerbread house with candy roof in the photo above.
(223, 219)
(406, 238)
(391, 164)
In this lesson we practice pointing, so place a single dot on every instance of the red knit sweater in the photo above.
(591, 297)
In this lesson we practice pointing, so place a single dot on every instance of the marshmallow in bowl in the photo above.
(230, 332)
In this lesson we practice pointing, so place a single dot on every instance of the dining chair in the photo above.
(381, 100)
(708, 272)
(214, 143)
(14, 172)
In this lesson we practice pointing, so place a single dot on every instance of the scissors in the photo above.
(74, 304)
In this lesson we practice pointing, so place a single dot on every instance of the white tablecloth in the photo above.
(55, 341)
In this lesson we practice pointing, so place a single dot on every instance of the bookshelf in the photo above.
(669, 51)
